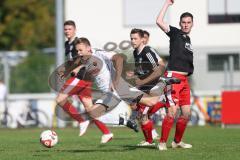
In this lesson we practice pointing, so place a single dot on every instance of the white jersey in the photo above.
(101, 64)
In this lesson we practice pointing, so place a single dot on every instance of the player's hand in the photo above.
(75, 72)
(61, 74)
(170, 2)
(130, 75)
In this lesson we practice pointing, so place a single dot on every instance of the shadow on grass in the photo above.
(101, 148)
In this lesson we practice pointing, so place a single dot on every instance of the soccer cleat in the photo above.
(132, 124)
(170, 80)
(181, 145)
(121, 121)
(83, 127)
(106, 138)
(162, 146)
(144, 143)
(155, 135)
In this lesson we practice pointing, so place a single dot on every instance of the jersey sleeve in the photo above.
(152, 59)
(172, 31)
(110, 54)
(156, 54)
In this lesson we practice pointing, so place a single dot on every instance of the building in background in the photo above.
(215, 36)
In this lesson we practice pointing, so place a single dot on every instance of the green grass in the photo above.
(209, 143)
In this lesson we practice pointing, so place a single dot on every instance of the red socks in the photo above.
(147, 131)
(166, 127)
(180, 128)
(72, 111)
(156, 107)
(101, 126)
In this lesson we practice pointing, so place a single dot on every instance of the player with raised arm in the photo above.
(180, 65)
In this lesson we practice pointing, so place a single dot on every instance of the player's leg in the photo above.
(183, 119)
(86, 99)
(62, 101)
(172, 96)
(155, 98)
(87, 102)
(71, 87)
(96, 111)
(146, 125)
(181, 125)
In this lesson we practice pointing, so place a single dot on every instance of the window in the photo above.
(216, 61)
(223, 11)
(141, 12)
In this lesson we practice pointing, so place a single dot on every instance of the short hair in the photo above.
(146, 32)
(186, 14)
(83, 40)
(70, 23)
(138, 31)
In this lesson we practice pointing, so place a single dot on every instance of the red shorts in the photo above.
(143, 109)
(75, 86)
(178, 94)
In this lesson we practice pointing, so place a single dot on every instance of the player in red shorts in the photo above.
(180, 65)
(161, 110)
(148, 69)
(75, 85)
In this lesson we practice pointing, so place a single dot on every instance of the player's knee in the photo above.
(186, 115)
(93, 114)
(144, 119)
(151, 102)
(172, 114)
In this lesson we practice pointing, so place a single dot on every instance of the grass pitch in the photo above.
(209, 143)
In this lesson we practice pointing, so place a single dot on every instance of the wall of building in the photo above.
(104, 21)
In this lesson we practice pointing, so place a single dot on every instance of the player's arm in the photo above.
(73, 67)
(157, 72)
(118, 65)
(76, 70)
(160, 19)
(158, 67)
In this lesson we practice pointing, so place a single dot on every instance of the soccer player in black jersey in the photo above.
(161, 110)
(146, 36)
(148, 69)
(70, 34)
(74, 85)
(180, 65)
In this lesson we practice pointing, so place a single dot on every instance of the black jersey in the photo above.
(145, 62)
(70, 50)
(181, 53)
(71, 55)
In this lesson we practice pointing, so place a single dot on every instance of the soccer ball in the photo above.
(48, 138)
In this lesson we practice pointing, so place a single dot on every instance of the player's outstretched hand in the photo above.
(170, 2)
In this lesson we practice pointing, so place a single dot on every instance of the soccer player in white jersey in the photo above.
(105, 69)
(84, 95)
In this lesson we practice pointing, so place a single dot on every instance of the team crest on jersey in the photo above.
(188, 46)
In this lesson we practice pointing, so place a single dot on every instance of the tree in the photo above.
(31, 76)
(28, 25)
